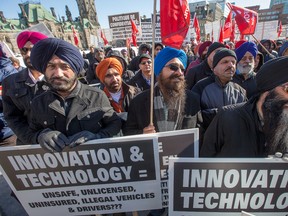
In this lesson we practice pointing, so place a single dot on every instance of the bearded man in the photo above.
(70, 113)
(20, 88)
(245, 75)
(109, 71)
(258, 127)
(174, 107)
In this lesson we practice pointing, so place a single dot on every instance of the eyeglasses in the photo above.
(144, 62)
(25, 50)
(175, 67)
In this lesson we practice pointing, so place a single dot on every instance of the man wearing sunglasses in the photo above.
(259, 127)
(174, 107)
(21, 87)
(142, 78)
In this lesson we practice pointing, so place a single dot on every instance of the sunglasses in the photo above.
(144, 62)
(175, 67)
(25, 50)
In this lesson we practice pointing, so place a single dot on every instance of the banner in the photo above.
(175, 21)
(106, 176)
(221, 187)
(179, 143)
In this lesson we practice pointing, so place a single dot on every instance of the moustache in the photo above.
(230, 69)
(176, 76)
(59, 79)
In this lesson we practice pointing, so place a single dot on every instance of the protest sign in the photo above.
(105, 176)
(222, 187)
(179, 143)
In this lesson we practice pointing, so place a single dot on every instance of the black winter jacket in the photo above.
(236, 131)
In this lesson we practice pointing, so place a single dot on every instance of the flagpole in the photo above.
(152, 74)
(272, 56)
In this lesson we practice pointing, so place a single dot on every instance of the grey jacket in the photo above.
(213, 96)
(86, 108)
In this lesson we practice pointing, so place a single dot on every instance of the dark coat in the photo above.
(130, 92)
(236, 131)
(249, 84)
(18, 92)
(213, 96)
(88, 109)
(139, 113)
(197, 73)
(139, 82)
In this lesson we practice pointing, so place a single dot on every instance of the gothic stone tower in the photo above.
(87, 10)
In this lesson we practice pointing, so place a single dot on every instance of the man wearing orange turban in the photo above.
(109, 71)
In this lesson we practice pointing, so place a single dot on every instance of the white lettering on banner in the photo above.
(67, 159)
(233, 200)
(75, 176)
(231, 178)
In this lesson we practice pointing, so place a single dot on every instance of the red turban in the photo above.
(31, 36)
(105, 64)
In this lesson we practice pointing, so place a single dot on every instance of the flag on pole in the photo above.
(197, 28)
(246, 19)
(174, 21)
(104, 38)
(279, 28)
(227, 29)
(232, 36)
(221, 37)
(134, 32)
(76, 41)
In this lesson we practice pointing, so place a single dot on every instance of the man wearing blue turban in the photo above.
(245, 75)
(174, 107)
(70, 113)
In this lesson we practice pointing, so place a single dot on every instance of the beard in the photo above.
(245, 69)
(62, 84)
(173, 91)
(28, 64)
(275, 123)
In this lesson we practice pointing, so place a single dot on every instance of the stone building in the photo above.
(32, 13)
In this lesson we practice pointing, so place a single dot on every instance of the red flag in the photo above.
(76, 41)
(134, 32)
(246, 19)
(104, 38)
(175, 21)
(227, 30)
(221, 39)
(232, 36)
(197, 28)
(279, 28)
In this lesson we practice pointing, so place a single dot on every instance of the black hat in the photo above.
(220, 54)
(214, 46)
(272, 74)
(144, 56)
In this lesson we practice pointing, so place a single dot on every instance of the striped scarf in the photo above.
(166, 119)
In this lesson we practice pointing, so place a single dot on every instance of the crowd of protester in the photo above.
(235, 93)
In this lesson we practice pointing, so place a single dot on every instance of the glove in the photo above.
(52, 140)
(80, 138)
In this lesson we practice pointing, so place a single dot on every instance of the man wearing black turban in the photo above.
(258, 127)
(70, 113)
